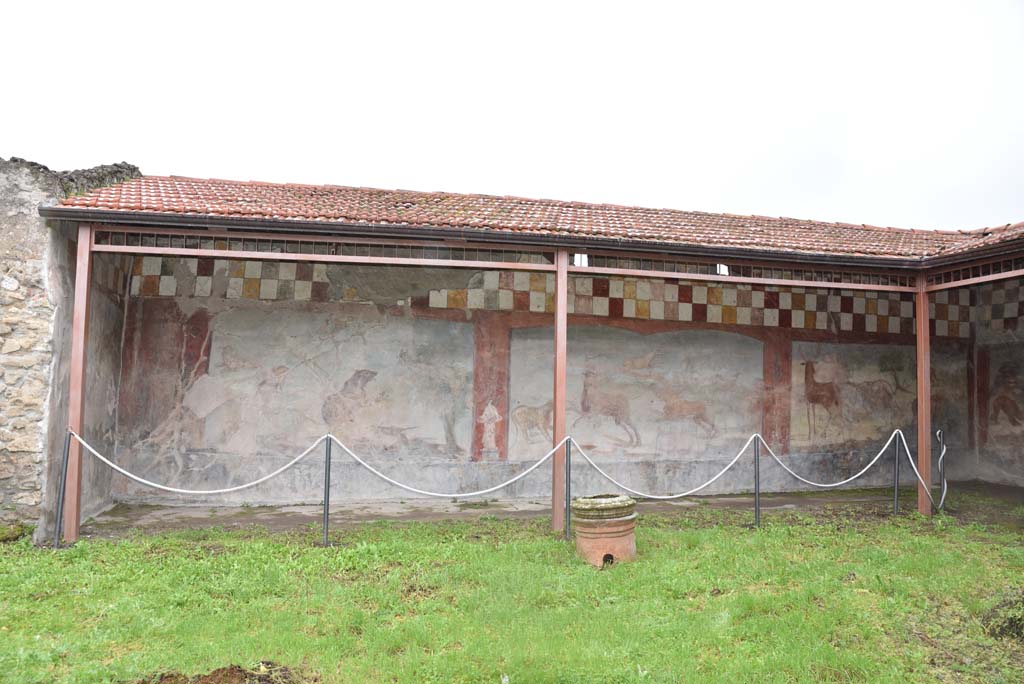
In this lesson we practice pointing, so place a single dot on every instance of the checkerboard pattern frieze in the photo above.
(998, 304)
(857, 311)
(155, 276)
(703, 302)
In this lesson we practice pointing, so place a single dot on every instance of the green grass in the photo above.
(832, 596)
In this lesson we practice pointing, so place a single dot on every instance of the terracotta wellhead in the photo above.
(604, 526)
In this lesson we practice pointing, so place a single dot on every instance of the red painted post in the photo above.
(76, 385)
(558, 396)
(924, 396)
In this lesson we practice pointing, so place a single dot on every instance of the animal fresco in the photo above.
(820, 395)
(850, 392)
(665, 395)
(1000, 457)
(274, 381)
(1006, 393)
(603, 398)
(533, 423)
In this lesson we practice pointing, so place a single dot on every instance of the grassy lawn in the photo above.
(839, 594)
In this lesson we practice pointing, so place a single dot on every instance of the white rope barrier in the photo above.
(176, 490)
(668, 496)
(897, 434)
(227, 490)
(841, 482)
(440, 495)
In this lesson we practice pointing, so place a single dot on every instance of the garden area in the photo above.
(824, 593)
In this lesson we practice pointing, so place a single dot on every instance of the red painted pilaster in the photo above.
(778, 383)
(490, 379)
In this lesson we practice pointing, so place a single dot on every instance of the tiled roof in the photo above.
(985, 237)
(520, 217)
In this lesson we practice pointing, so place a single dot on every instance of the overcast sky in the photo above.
(891, 113)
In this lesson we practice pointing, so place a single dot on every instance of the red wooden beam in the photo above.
(325, 258)
(76, 389)
(732, 262)
(924, 396)
(977, 280)
(558, 397)
(782, 282)
(306, 237)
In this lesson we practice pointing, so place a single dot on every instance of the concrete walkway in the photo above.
(124, 518)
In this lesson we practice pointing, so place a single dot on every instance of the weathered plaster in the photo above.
(215, 391)
(999, 377)
(215, 395)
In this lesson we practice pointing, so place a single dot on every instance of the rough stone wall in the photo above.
(35, 294)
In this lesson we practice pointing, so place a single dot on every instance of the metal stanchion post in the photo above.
(568, 489)
(58, 524)
(757, 483)
(896, 480)
(327, 489)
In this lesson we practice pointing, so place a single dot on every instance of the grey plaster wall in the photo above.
(662, 410)
(1000, 350)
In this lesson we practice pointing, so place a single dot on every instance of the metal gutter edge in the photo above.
(469, 235)
(943, 262)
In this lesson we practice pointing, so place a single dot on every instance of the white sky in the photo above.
(892, 113)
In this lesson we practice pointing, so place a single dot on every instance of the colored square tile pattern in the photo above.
(701, 302)
(998, 304)
(611, 297)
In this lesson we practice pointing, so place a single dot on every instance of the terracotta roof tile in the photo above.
(519, 216)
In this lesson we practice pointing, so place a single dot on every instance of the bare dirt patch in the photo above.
(1006, 618)
(264, 673)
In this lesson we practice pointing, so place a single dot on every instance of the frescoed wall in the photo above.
(669, 395)
(951, 400)
(235, 389)
(1000, 382)
(443, 378)
(661, 410)
(847, 400)
(846, 393)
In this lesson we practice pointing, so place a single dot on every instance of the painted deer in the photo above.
(824, 394)
(676, 408)
(607, 401)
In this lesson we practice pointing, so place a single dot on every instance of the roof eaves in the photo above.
(477, 234)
